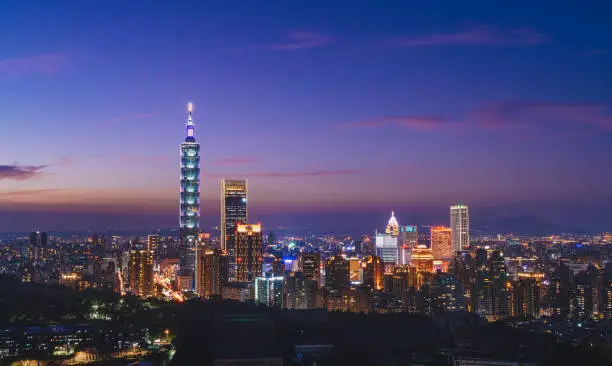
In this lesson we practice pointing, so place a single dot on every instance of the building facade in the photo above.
(141, 272)
(460, 226)
(233, 211)
(441, 244)
(248, 252)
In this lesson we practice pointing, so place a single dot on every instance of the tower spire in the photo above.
(190, 125)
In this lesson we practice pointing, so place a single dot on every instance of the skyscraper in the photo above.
(190, 186)
(460, 226)
(248, 252)
(141, 272)
(409, 235)
(441, 242)
(153, 242)
(209, 272)
(269, 291)
(233, 211)
(392, 226)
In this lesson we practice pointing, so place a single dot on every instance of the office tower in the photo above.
(392, 226)
(355, 271)
(460, 226)
(248, 252)
(269, 291)
(153, 243)
(233, 211)
(209, 272)
(422, 258)
(190, 187)
(386, 248)
(373, 272)
(296, 291)
(141, 272)
(403, 254)
(337, 273)
(441, 243)
(311, 266)
(37, 244)
(409, 235)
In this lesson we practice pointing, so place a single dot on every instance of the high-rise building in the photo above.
(296, 291)
(373, 272)
(141, 272)
(190, 193)
(311, 266)
(392, 225)
(386, 248)
(233, 212)
(441, 243)
(269, 291)
(153, 242)
(248, 252)
(422, 258)
(337, 273)
(409, 235)
(209, 272)
(38, 243)
(460, 226)
(526, 296)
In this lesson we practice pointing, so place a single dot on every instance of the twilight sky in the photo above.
(330, 109)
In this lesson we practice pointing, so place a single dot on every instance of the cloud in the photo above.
(478, 36)
(299, 40)
(131, 117)
(295, 174)
(44, 64)
(504, 114)
(20, 172)
(413, 122)
(234, 161)
(28, 192)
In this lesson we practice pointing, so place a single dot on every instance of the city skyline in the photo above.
(468, 110)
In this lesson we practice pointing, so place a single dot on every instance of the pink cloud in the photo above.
(234, 161)
(413, 122)
(45, 64)
(478, 36)
(29, 192)
(131, 117)
(299, 40)
(505, 114)
(296, 174)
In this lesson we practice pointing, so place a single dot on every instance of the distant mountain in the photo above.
(525, 225)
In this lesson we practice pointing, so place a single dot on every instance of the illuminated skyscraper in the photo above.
(422, 258)
(248, 252)
(460, 226)
(409, 235)
(209, 272)
(441, 243)
(269, 291)
(190, 186)
(392, 226)
(141, 272)
(386, 248)
(233, 211)
(153, 242)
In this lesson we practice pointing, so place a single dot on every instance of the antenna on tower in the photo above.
(189, 107)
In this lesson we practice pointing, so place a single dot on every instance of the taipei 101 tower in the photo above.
(190, 192)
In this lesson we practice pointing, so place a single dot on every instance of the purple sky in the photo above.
(346, 109)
